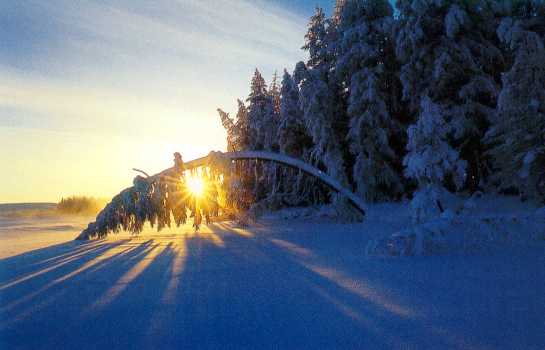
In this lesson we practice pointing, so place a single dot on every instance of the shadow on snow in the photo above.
(229, 287)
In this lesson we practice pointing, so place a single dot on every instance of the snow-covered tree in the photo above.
(240, 137)
(245, 137)
(239, 134)
(292, 135)
(269, 133)
(436, 65)
(255, 128)
(448, 52)
(316, 102)
(430, 158)
(294, 140)
(316, 40)
(321, 100)
(366, 64)
(258, 106)
(262, 114)
(230, 127)
(274, 93)
(517, 135)
(318, 96)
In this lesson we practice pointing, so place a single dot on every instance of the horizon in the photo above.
(92, 90)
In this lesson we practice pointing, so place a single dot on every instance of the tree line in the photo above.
(429, 94)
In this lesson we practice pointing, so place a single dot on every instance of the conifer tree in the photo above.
(316, 41)
(294, 141)
(430, 159)
(258, 105)
(366, 65)
(318, 97)
(448, 52)
(517, 135)
(274, 92)
(316, 102)
(231, 129)
(245, 137)
(292, 136)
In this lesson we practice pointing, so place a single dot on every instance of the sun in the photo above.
(195, 186)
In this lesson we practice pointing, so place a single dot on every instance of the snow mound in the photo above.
(478, 223)
(423, 239)
(430, 202)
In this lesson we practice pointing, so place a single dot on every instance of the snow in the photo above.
(477, 224)
(443, 271)
(30, 226)
(287, 281)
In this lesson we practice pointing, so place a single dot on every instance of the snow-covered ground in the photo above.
(29, 226)
(295, 279)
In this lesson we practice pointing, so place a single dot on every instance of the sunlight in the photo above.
(359, 288)
(195, 184)
(176, 269)
(58, 264)
(124, 281)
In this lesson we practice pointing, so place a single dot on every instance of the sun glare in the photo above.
(195, 186)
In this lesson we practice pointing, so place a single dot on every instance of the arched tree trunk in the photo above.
(283, 159)
(108, 220)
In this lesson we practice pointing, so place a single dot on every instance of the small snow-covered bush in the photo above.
(424, 239)
(430, 202)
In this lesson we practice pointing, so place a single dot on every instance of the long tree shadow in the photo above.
(221, 288)
(251, 293)
(35, 260)
(418, 302)
(38, 303)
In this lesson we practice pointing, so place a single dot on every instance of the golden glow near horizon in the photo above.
(47, 165)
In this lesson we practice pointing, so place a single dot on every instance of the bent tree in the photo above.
(164, 196)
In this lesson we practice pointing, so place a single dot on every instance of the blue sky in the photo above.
(91, 89)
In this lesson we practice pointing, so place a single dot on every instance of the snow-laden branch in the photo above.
(154, 197)
(283, 159)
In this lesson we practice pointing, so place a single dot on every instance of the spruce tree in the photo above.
(294, 141)
(245, 137)
(316, 41)
(292, 135)
(318, 97)
(275, 94)
(517, 135)
(366, 65)
(431, 160)
(316, 102)
(231, 129)
(258, 105)
(449, 52)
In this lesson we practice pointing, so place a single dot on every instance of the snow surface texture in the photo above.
(296, 280)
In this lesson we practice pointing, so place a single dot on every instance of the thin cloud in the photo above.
(127, 81)
(154, 53)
